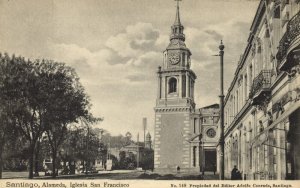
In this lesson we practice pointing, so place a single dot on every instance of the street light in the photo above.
(221, 140)
(201, 153)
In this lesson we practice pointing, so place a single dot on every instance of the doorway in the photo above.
(210, 160)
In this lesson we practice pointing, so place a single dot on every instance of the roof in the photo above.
(216, 105)
(130, 146)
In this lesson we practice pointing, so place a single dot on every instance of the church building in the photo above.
(182, 136)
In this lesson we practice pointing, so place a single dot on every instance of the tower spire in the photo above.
(177, 28)
(177, 18)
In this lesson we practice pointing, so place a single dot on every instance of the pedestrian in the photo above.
(214, 168)
(234, 173)
(178, 169)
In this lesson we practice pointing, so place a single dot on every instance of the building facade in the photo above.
(205, 129)
(177, 122)
(262, 115)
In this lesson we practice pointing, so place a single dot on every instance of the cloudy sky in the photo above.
(116, 46)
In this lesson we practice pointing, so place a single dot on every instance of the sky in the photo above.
(116, 46)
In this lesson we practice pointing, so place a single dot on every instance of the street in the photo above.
(117, 175)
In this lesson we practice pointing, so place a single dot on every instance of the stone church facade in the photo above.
(179, 126)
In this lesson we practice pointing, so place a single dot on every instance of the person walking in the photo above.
(234, 173)
(214, 168)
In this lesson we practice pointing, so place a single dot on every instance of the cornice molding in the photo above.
(176, 70)
(173, 109)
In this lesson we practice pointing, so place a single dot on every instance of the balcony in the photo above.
(289, 45)
(260, 89)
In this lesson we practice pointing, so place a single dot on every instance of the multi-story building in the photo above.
(178, 138)
(262, 115)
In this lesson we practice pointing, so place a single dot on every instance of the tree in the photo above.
(102, 152)
(122, 156)
(5, 128)
(15, 110)
(72, 147)
(66, 102)
(40, 97)
(127, 160)
(114, 141)
(83, 143)
(25, 94)
(14, 158)
(130, 161)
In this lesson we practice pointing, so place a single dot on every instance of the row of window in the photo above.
(260, 58)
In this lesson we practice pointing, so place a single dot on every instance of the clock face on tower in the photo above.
(174, 59)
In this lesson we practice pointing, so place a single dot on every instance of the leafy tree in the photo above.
(37, 97)
(24, 92)
(130, 161)
(72, 147)
(5, 138)
(127, 161)
(14, 107)
(115, 162)
(83, 143)
(14, 158)
(116, 141)
(122, 156)
(66, 102)
(102, 155)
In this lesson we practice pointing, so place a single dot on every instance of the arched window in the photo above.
(172, 85)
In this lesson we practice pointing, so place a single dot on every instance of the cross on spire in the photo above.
(177, 19)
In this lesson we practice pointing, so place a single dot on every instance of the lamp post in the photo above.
(201, 153)
(221, 141)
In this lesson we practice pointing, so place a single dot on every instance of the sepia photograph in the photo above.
(149, 93)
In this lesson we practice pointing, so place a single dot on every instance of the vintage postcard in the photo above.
(140, 93)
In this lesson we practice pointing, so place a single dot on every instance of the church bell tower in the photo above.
(174, 104)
